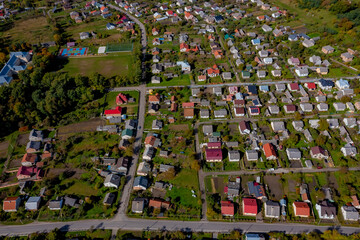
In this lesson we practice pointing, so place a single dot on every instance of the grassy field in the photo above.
(33, 30)
(312, 18)
(179, 81)
(109, 66)
(81, 188)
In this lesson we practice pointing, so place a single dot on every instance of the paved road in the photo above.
(195, 226)
(125, 197)
(279, 170)
(262, 82)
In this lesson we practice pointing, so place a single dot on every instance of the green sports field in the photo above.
(108, 66)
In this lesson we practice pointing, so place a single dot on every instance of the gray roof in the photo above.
(252, 155)
(350, 213)
(69, 201)
(234, 155)
(165, 168)
(56, 204)
(113, 179)
(109, 199)
(138, 205)
(208, 129)
(278, 126)
(272, 209)
(141, 182)
(293, 153)
(220, 112)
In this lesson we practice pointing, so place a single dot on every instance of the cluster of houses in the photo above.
(38, 149)
(34, 203)
(18, 61)
(265, 57)
(251, 204)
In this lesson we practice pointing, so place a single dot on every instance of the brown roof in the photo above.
(9, 204)
(159, 204)
(302, 209)
(355, 201)
(28, 157)
(154, 98)
(150, 140)
(188, 112)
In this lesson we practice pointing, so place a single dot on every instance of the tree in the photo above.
(321, 140)
(323, 124)
(2, 57)
(195, 165)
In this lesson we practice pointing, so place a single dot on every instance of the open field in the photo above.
(183, 80)
(86, 126)
(108, 66)
(33, 30)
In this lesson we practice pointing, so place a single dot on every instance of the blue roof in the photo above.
(326, 83)
(293, 36)
(343, 82)
(33, 199)
(141, 181)
(255, 188)
(252, 89)
(254, 109)
(239, 96)
(264, 88)
(256, 41)
(252, 236)
(14, 64)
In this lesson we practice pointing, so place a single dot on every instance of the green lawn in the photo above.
(108, 66)
(179, 81)
(81, 188)
(187, 178)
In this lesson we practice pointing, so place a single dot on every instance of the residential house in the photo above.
(293, 61)
(143, 169)
(11, 204)
(298, 125)
(347, 57)
(272, 209)
(208, 130)
(140, 183)
(189, 113)
(326, 209)
(244, 127)
(204, 113)
(342, 84)
(349, 150)
(274, 109)
(293, 153)
(326, 84)
(112, 180)
(318, 153)
(57, 204)
(252, 155)
(278, 126)
(33, 203)
(302, 71)
(33, 147)
(290, 108)
(36, 135)
(213, 155)
(28, 172)
(257, 190)
(137, 205)
(159, 204)
(339, 106)
(306, 107)
(234, 156)
(157, 124)
(269, 151)
(350, 213)
(221, 113)
(322, 107)
(29, 159)
(249, 206)
(301, 209)
(227, 208)
(327, 49)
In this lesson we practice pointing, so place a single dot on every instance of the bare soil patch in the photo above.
(275, 189)
(86, 126)
(4, 148)
(180, 127)
(23, 139)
